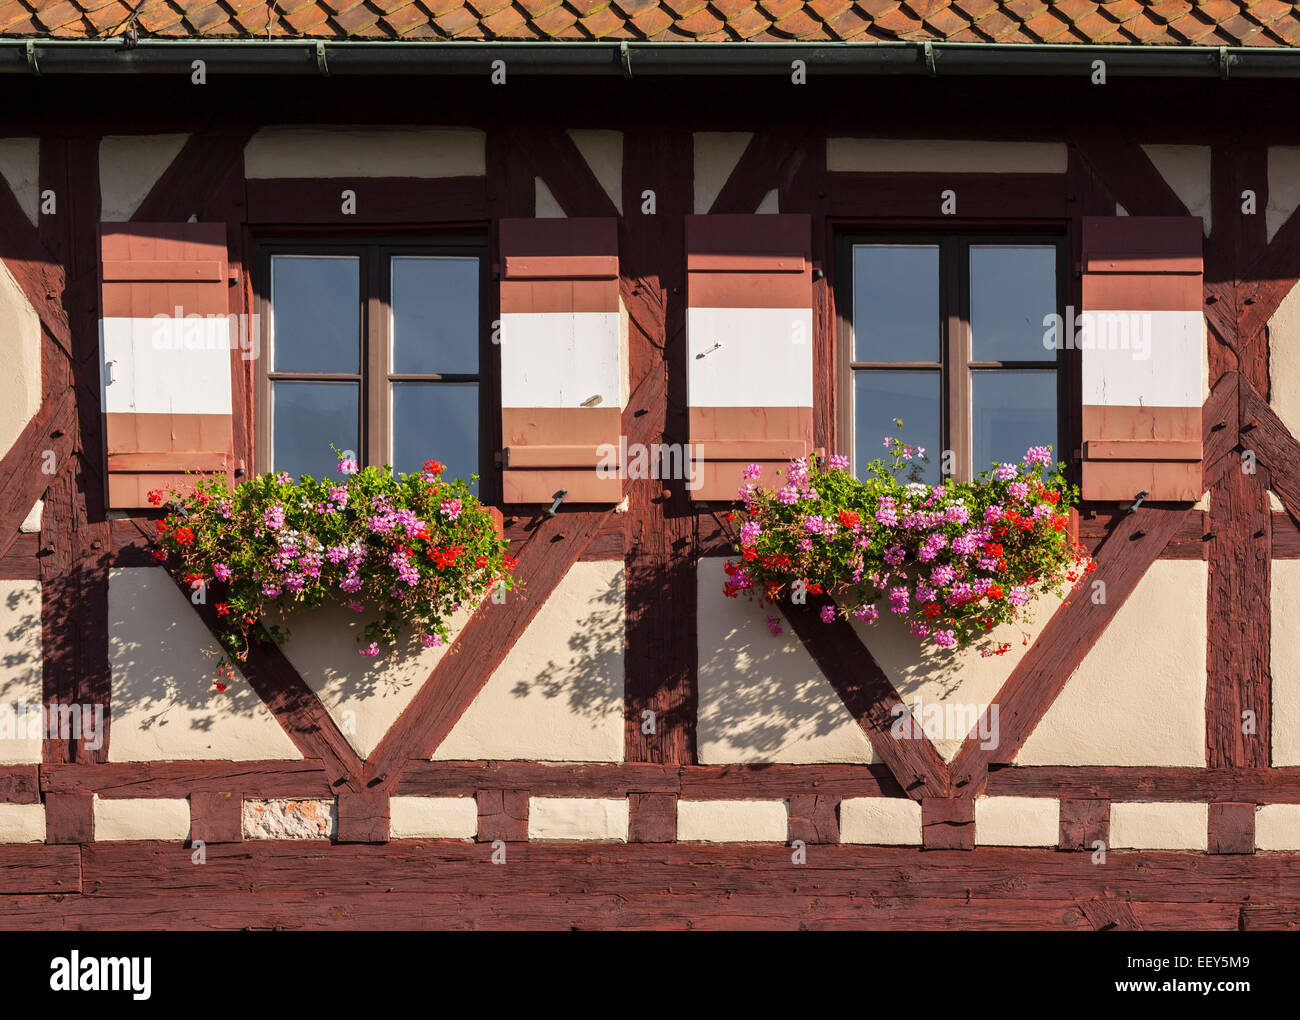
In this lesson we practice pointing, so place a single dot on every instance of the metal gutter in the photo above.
(633, 59)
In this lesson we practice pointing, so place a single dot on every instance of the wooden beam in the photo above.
(554, 157)
(1231, 828)
(20, 784)
(1276, 449)
(1084, 823)
(1150, 784)
(216, 816)
(921, 196)
(185, 186)
(27, 870)
(298, 780)
(1128, 173)
(759, 169)
(24, 474)
(379, 200)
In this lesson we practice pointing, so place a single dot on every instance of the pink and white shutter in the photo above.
(563, 360)
(749, 346)
(1142, 342)
(165, 339)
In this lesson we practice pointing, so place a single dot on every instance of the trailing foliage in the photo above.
(411, 548)
(955, 560)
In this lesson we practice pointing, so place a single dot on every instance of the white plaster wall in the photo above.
(1277, 827)
(433, 817)
(733, 821)
(20, 383)
(762, 698)
(22, 823)
(1284, 360)
(1017, 821)
(716, 155)
(21, 686)
(20, 160)
(1186, 169)
(1285, 661)
(32, 522)
(362, 151)
(558, 694)
(603, 151)
(578, 818)
(129, 166)
(888, 821)
(961, 683)
(1138, 697)
(1283, 185)
(142, 818)
(165, 702)
(363, 696)
(932, 155)
(1157, 826)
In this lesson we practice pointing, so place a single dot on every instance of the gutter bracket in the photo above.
(31, 56)
(321, 65)
(928, 51)
(1226, 60)
(625, 58)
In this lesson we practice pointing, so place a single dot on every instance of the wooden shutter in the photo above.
(749, 346)
(165, 340)
(1142, 338)
(563, 359)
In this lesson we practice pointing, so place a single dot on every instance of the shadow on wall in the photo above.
(596, 644)
(21, 685)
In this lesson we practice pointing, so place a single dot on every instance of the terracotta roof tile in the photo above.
(1155, 22)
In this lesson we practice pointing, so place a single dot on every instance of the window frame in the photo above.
(376, 375)
(955, 364)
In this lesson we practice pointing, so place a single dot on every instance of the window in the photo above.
(946, 333)
(378, 348)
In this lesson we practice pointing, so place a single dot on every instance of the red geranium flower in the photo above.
(434, 467)
(223, 609)
(155, 497)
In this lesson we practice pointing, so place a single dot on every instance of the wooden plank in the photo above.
(422, 778)
(216, 816)
(1276, 449)
(379, 200)
(555, 158)
(1110, 915)
(1231, 828)
(363, 816)
(947, 824)
(1083, 824)
(1128, 173)
(502, 814)
(660, 685)
(69, 818)
(738, 782)
(23, 470)
(814, 818)
(29, 869)
(20, 784)
(920, 196)
(759, 169)
(171, 779)
(1238, 677)
(196, 171)
(1105, 782)
(652, 817)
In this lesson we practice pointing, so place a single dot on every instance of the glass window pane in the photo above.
(315, 313)
(306, 418)
(436, 421)
(895, 302)
(1012, 289)
(435, 315)
(881, 396)
(1010, 412)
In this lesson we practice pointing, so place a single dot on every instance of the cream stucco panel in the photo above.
(931, 155)
(948, 690)
(129, 166)
(22, 823)
(1285, 661)
(1138, 697)
(1284, 360)
(142, 818)
(558, 694)
(20, 160)
(307, 151)
(545, 207)
(1277, 827)
(1017, 821)
(716, 155)
(603, 151)
(762, 698)
(578, 818)
(887, 821)
(1186, 169)
(1283, 185)
(433, 817)
(20, 383)
(21, 687)
(1159, 826)
(733, 821)
(363, 696)
(165, 702)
